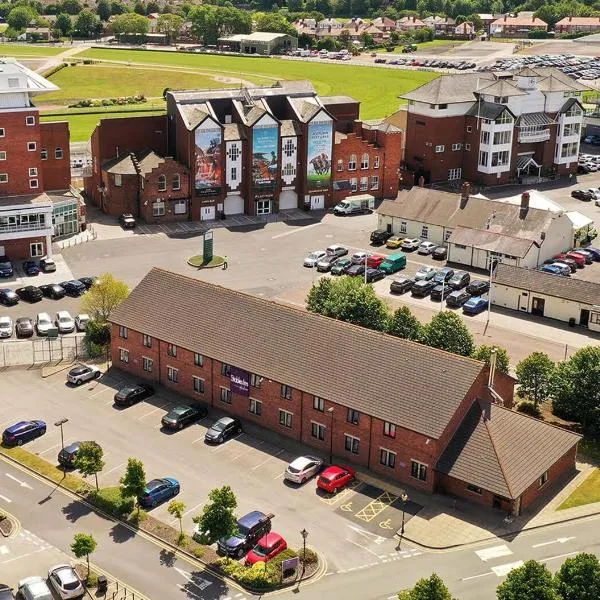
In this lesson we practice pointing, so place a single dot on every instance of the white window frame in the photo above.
(123, 332)
(34, 184)
(467, 147)
(440, 148)
(172, 374)
(375, 182)
(176, 182)
(317, 430)
(351, 443)
(340, 165)
(172, 350)
(123, 355)
(2, 154)
(456, 147)
(36, 249)
(198, 359)
(469, 128)
(255, 407)
(2, 132)
(147, 364)
(180, 207)
(286, 418)
(376, 162)
(30, 120)
(58, 154)
(387, 458)
(147, 340)
(263, 207)
(364, 161)
(403, 226)
(44, 154)
(421, 468)
(319, 403)
(389, 429)
(286, 391)
(118, 180)
(161, 185)
(225, 395)
(425, 232)
(454, 174)
(31, 146)
(158, 208)
(543, 479)
(352, 162)
(354, 184)
(364, 184)
(198, 384)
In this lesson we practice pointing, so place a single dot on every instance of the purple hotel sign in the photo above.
(240, 381)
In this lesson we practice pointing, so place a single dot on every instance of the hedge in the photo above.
(111, 501)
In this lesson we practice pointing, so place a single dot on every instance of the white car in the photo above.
(65, 581)
(314, 257)
(34, 588)
(43, 322)
(336, 250)
(64, 321)
(411, 243)
(81, 321)
(426, 247)
(6, 327)
(358, 258)
(303, 468)
(82, 373)
(425, 273)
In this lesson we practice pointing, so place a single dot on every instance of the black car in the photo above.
(582, 195)
(8, 297)
(66, 457)
(24, 327)
(440, 291)
(583, 169)
(440, 253)
(457, 298)
(88, 281)
(129, 395)
(374, 275)
(401, 285)
(182, 416)
(73, 288)
(6, 592)
(380, 236)
(443, 275)
(478, 287)
(422, 288)
(6, 268)
(250, 528)
(53, 290)
(459, 280)
(30, 293)
(127, 221)
(355, 270)
(222, 430)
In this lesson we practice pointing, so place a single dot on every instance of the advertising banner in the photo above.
(265, 153)
(320, 141)
(240, 381)
(209, 170)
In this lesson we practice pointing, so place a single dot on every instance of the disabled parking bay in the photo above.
(376, 510)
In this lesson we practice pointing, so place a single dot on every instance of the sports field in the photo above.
(29, 51)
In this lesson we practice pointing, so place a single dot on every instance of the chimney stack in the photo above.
(505, 17)
(525, 202)
(465, 192)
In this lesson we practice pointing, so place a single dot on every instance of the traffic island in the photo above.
(7, 526)
(199, 262)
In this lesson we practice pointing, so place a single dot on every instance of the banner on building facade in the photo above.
(208, 170)
(265, 155)
(320, 142)
(240, 381)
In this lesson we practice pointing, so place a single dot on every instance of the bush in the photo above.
(529, 408)
(256, 576)
(311, 557)
(111, 501)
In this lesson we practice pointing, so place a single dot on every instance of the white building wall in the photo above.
(412, 229)
(559, 238)
(453, 110)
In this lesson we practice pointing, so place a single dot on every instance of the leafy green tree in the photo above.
(83, 545)
(218, 517)
(208, 23)
(130, 23)
(404, 324)
(531, 581)
(430, 588)
(63, 24)
(535, 374)
(274, 23)
(103, 10)
(447, 331)
(71, 7)
(20, 17)
(87, 24)
(484, 353)
(154, 7)
(579, 578)
(89, 460)
(139, 8)
(170, 25)
(176, 509)
(117, 8)
(108, 292)
(134, 480)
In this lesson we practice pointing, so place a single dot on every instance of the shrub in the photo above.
(111, 501)
(256, 576)
(311, 557)
(529, 408)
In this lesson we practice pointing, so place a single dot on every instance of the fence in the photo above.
(42, 351)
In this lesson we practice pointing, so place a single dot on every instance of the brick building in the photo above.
(35, 171)
(577, 25)
(494, 129)
(389, 415)
(519, 25)
(254, 151)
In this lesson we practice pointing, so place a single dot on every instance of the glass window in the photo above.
(263, 207)
(122, 332)
(364, 184)
(376, 162)
(418, 470)
(147, 341)
(255, 380)
(387, 458)
(58, 153)
(375, 182)
(123, 355)
(424, 232)
(474, 489)
(389, 429)
(162, 183)
(354, 184)
(198, 384)
(502, 137)
(2, 155)
(176, 182)
(504, 118)
(179, 207)
(36, 249)
(285, 418)
(118, 180)
(147, 364)
(33, 183)
(225, 369)
(2, 132)
(289, 147)
(457, 146)
(543, 479)
(29, 120)
(318, 403)
(340, 165)
(351, 443)
(225, 395)
(454, 174)
(172, 374)
(255, 407)
(353, 416)
(364, 161)
(500, 159)
(317, 430)
(171, 350)
(352, 162)
(485, 137)
(198, 359)
(233, 176)
(44, 154)
(403, 227)
(483, 159)
(440, 148)
(158, 209)
(286, 392)
(31, 146)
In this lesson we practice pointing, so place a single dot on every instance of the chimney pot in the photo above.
(465, 192)
(525, 201)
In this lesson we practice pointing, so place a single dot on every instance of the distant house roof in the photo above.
(571, 21)
(133, 164)
(503, 451)
(520, 21)
(410, 21)
(502, 88)
(257, 36)
(531, 280)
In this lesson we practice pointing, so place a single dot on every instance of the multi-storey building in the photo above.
(254, 151)
(492, 129)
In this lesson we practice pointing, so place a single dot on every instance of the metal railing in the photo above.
(42, 228)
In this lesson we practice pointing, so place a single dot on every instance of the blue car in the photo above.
(595, 252)
(6, 268)
(30, 268)
(159, 490)
(553, 269)
(475, 305)
(24, 431)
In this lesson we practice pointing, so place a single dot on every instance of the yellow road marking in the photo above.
(375, 507)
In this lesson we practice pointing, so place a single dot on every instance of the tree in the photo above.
(404, 324)
(134, 480)
(349, 299)
(274, 23)
(139, 8)
(89, 460)
(71, 7)
(531, 581)
(579, 578)
(534, 375)
(20, 17)
(63, 24)
(430, 588)
(117, 8)
(105, 295)
(218, 517)
(83, 545)
(208, 23)
(170, 25)
(103, 10)
(153, 7)
(484, 353)
(130, 23)
(176, 509)
(87, 24)
(447, 331)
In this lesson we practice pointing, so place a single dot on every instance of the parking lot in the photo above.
(353, 528)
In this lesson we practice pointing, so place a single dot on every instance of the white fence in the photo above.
(42, 351)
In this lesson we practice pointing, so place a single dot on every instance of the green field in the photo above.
(434, 44)
(586, 493)
(18, 50)
(377, 89)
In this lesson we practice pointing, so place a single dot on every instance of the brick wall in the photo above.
(20, 248)
(56, 171)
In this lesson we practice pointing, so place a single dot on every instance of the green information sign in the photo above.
(207, 254)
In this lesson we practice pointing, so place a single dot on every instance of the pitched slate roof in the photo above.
(502, 87)
(289, 345)
(565, 288)
(120, 165)
(503, 451)
(487, 110)
(449, 89)
(490, 241)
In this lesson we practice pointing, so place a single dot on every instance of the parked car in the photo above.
(394, 242)
(374, 275)
(269, 546)
(326, 263)
(393, 263)
(355, 270)
(47, 265)
(184, 415)
(159, 490)
(66, 457)
(570, 262)
(337, 250)
(380, 237)
(588, 256)
(8, 297)
(131, 394)
(582, 195)
(422, 288)
(23, 431)
(426, 248)
(457, 298)
(6, 592)
(127, 221)
(43, 323)
(594, 252)
(440, 292)
(459, 280)
(250, 528)
(30, 268)
(564, 268)
(24, 327)
(30, 293)
(65, 582)
(6, 268)
(34, 588)
(444, 275)
(440, 253)
(53, 290)
(425, 273)
(374, 261)
(303, 468)
(359, 258)
(410, 244)
(6, 327)
(73, 288)
(65, 322)
(478, 287)
(223, 429)
(400, 285)
(550, 269)
(82, 373)
(314, 257)
(475, 305)
(81, 321)
(340, 266)
(88, 282)
(578, 258)
(334, 478)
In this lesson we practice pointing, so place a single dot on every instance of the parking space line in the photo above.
(100, 392)
(280, 475)
(349, 489)
(375, 507)
(4, 562)
(362, 547)
(266, 461)
(113, 469)
(187, 512)
(153, 411)
(220, 447)
(48, 449)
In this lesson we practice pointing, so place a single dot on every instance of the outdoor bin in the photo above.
(102, 583)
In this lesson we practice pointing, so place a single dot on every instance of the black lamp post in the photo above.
(404, 498)
(330, 411)
(60, 424)
(304, 535)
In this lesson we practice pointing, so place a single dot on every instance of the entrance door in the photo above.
(584, 317)
(207, 213)
(317, 202)
(537, 306)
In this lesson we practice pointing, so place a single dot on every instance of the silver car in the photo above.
(43, 322)
(81, 321)
(326, 263)
(303, 468)
(64, 322)
(65, 581)
(426, 247)
(34, 588)
(314, 257)
(425, 273)
(411, 244)
(6, 327)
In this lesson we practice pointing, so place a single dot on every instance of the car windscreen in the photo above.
(218, 426)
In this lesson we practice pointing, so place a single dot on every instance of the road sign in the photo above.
(291, 564)
(208, 246)
(52, 333)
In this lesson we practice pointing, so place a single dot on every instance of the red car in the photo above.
(578, 258)
(374, 261)
(334, 478)
(269, 546)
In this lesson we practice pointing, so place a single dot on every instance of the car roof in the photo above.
(154, 483)
(302, 461)
(44, 315)
(253, 517)
(65, 572)
(332, 471)
(179, 410)
(225, 420)
(17, 426)
(269, 539)
(72, 447)
(63, 313)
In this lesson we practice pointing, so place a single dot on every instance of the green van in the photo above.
(393, 263)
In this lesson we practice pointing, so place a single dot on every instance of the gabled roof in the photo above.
(590, 21)
(120, 165)
(449, 89)
(487, 110)
(287, 345)
(520, 21)
(490, 241)
(554, 84)
(502, 87)
(569, 103)
(527, 72)
(503, 451)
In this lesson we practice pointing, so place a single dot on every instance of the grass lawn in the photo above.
(30, 50)
(377, 89)
(586, 493)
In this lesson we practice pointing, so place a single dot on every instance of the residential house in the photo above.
(518, 26)
(410, 23)
(577, 25)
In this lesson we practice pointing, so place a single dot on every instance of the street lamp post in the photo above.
(304, 535)
(330, 411)
(404, 498)
(60, 424)
(366, 258)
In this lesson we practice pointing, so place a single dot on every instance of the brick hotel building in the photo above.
(249, 151)
(413, 414)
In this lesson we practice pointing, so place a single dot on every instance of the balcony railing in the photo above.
(537, 135)
(41, 227)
